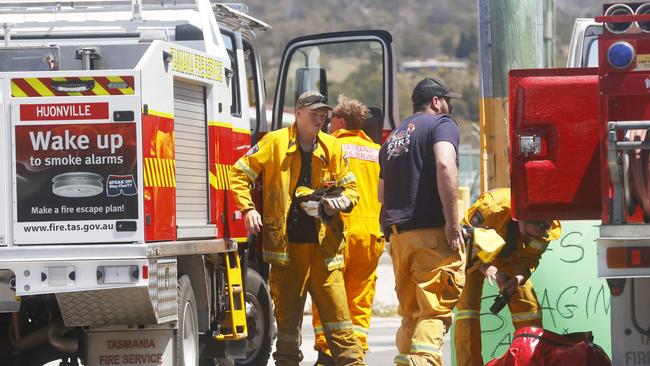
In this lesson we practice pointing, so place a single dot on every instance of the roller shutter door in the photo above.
(190, 127)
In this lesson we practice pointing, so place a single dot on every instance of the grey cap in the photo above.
(312, 100)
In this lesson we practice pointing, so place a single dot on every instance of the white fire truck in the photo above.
(119, 240)
(579, 151)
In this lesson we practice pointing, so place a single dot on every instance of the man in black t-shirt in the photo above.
(418, 187)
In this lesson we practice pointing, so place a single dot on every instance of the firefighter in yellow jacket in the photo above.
(509, 264)
(302, 240)
(365, 242)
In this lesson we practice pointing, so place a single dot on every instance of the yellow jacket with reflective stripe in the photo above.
(362, 155)
(492, 211)
(276, 158)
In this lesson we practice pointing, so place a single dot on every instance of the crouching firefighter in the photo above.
(504, 251)
(302, 239)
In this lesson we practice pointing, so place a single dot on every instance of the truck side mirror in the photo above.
(310, 78)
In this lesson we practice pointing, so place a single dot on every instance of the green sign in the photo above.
(572, 296)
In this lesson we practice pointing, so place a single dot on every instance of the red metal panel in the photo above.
(219, 161)
(241, 144)
(159, 178)
(561, 107)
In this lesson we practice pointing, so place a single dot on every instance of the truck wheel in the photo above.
(260, 321)
(187, 334)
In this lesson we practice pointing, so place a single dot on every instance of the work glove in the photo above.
(322, 203)
(310, 200)
(310, 207)
(335, 203)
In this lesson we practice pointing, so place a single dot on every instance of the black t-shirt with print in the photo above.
(408, 169)
(301, 228)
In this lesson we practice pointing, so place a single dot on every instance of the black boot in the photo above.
(324, 359)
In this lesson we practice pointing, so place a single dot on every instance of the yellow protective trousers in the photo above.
(362, 254)
(523, 305)
(289, 284)
(429, 278)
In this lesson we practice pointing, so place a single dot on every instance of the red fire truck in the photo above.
(119, 239)
(579, 151)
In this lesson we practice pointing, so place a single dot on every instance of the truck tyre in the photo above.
(187, 335)
(259, 319)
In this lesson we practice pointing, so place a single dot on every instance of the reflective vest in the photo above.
(363, 156)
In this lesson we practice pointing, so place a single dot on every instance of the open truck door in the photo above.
(357, 64)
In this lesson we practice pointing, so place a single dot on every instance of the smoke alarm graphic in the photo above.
(77, 184)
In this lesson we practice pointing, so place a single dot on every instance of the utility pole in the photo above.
(549, 33)
(510, 37)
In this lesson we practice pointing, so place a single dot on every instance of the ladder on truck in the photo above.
(233, 326)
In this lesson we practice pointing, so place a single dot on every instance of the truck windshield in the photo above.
(592, 54)
(590, 48)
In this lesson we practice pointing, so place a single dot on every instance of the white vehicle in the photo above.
(119, 239)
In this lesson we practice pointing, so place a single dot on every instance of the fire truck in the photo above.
(579, 151)
(120, 243)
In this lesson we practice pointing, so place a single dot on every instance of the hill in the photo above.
(440, 29)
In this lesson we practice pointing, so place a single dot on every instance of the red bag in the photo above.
(532, 346)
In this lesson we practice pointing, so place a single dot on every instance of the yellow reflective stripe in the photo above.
(40, 88)
(16, 91)
(219, 124)
(98, 89)
(159, 172)
(249, 172)
(156, 173)
(401, 359)
(350, 177)
(224, 170)
(223, 178)
(360, 330)
(531, 315)
(538, 244)
(241, 130)
(468, 314)
(170, 172)
(423, 348)
(213, 181)
(173, 164)
(148, 178)
(220, 178)
(275, 256)
(160, 114)
(334, 326)
(163, 173)
(144, 173)
(318, 330)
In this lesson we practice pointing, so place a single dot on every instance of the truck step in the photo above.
(234, 324)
